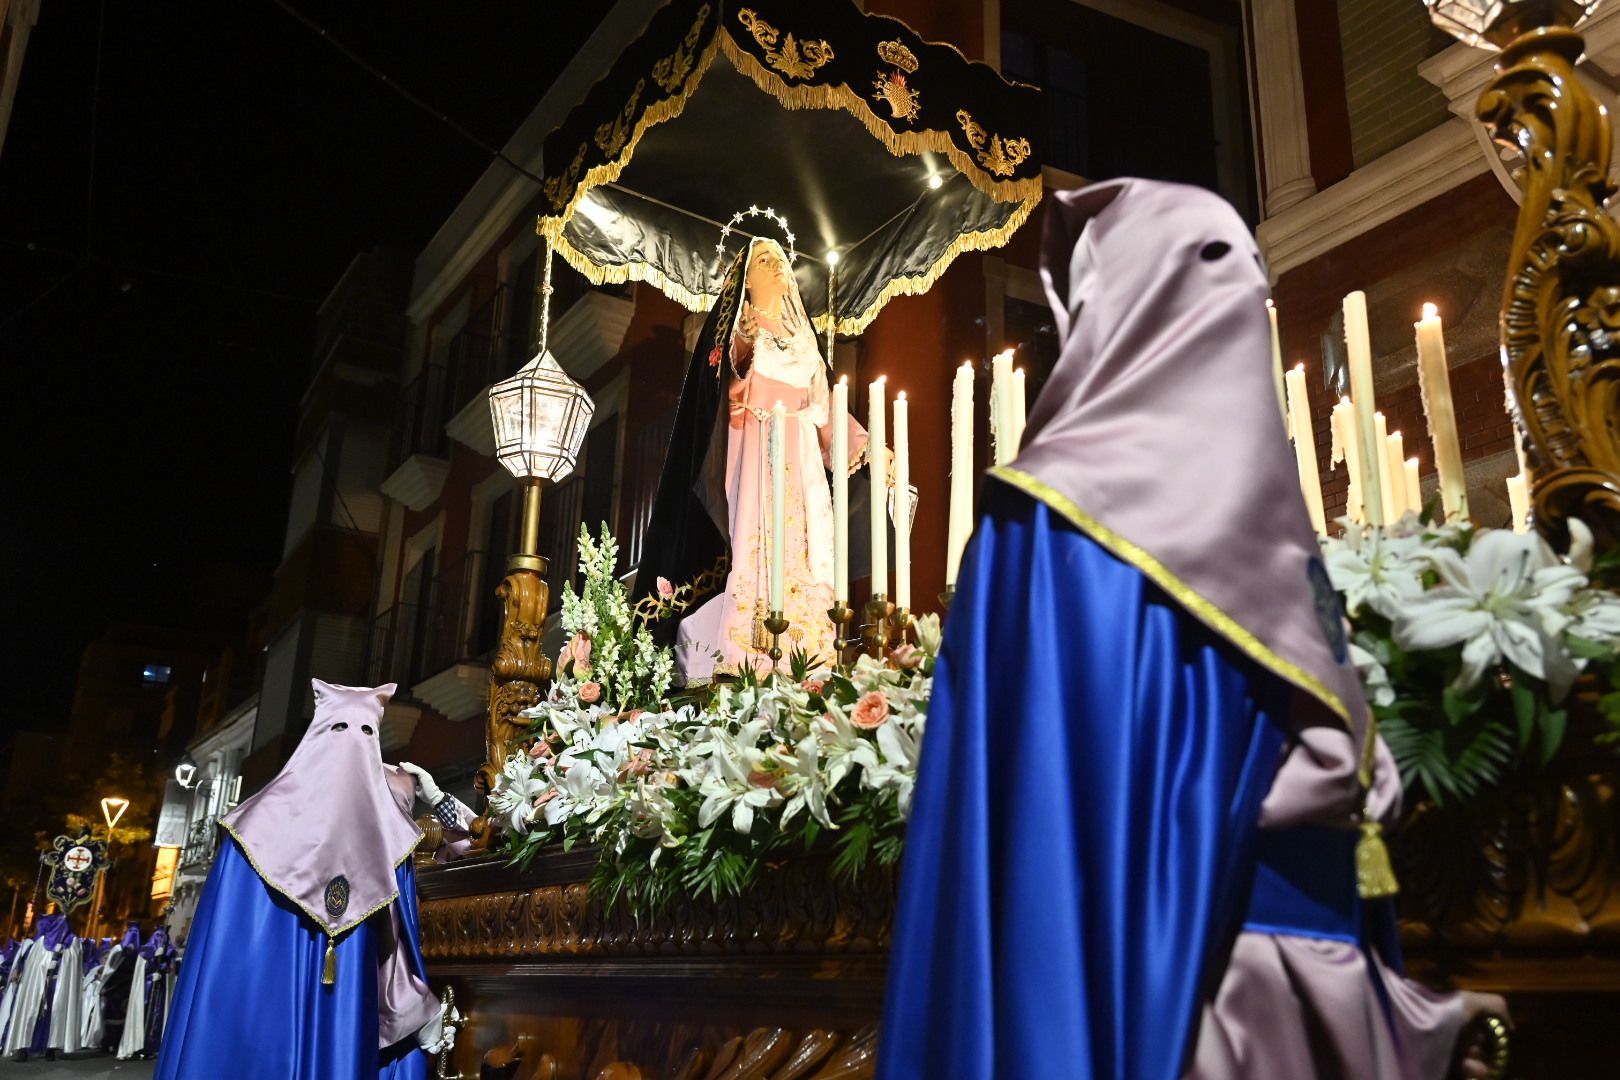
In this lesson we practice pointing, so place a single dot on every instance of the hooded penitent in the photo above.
(328, 833)
(1140, 619)
(1159, 296)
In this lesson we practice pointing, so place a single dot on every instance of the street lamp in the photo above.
(540, 416)
(112, 808)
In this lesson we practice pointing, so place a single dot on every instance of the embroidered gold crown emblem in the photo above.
(892, 52)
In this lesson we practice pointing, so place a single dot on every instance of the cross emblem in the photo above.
(78, 859)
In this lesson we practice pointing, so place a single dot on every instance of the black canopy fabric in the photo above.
(841, 122)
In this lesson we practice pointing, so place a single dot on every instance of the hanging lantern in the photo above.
(1490, 24)
(540, 417)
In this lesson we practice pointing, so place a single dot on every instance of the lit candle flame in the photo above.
(1430, 311)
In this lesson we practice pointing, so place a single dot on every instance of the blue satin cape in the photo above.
(1081, 844)
(249, 1004)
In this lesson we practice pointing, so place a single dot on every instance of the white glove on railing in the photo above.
(439, 1033)
(426, 789)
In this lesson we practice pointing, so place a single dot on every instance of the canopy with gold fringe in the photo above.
(896, 153)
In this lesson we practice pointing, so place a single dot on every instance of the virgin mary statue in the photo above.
(709, 537)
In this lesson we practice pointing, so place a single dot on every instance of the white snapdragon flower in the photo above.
(1374, 677)
(1505, 599)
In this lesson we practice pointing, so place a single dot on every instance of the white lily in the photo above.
(843, 746)
(580, 784)
(1594, 615)
(1505, 599)
(728, 784)
(802, 781)
(898, 771)
(1373, 568)
(516, 790)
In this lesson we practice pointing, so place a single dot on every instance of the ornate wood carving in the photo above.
(799, 909)
(765, 1053)
(1561, 311)
(519, 669)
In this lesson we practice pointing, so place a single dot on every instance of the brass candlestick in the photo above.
(899, 623)
(841, 615)
(776, 625)
(876, 631)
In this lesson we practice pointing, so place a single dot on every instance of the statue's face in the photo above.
(768, 278)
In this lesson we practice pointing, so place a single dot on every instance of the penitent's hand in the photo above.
(1480, 1054)
(426, 789)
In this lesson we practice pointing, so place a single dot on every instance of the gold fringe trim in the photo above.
(1027, 192)
(1195, 603)
(1375, 876)
(284, 891)
(898, 143)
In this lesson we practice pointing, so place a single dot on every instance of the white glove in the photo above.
(426, 789)
(439, 1033)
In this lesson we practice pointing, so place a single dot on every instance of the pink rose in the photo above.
(814, 686)
(761, 779)
(590, 692)
(665, 589)
(906, 656)
(544, 797)
(541, 749)
(872, 711)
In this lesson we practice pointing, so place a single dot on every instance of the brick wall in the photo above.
(1383, 41)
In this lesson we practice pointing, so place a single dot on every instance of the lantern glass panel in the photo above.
(540, 416)
(1490, 24)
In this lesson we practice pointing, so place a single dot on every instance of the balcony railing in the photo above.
(201, 842)
(450, 632)
(646, 467)
(394, 646)
(423, 410)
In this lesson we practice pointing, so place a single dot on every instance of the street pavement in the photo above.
(78, 1065)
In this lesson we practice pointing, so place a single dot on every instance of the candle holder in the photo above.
(841, 615)
(776, 625)
(876, 631)
(899, 624)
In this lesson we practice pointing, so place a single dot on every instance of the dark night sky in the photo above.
(239, 163)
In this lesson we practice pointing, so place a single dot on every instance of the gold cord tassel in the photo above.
(1375, 877)
(329, 969)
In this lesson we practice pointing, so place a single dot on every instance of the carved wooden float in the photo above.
(785, 984)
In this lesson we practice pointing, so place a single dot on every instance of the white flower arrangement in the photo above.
(1468, 642)
(694, 796)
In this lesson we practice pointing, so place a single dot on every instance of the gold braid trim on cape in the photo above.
(1196, 604)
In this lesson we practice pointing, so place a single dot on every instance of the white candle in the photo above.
(1414, 487)
(1398, 499)
(1299, 416)
(1019, 412)
(1434, 381)
(1001, 405)
(1358, 345)
(778, 502)
(902, 501)
(1385, 500)
(961, 521)
(840, 486)
(1344, 450)
(1519, 501)
(876, 451)
(1277, 370)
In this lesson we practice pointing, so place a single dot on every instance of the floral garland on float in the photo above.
(1470, 641)
(695, 792)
